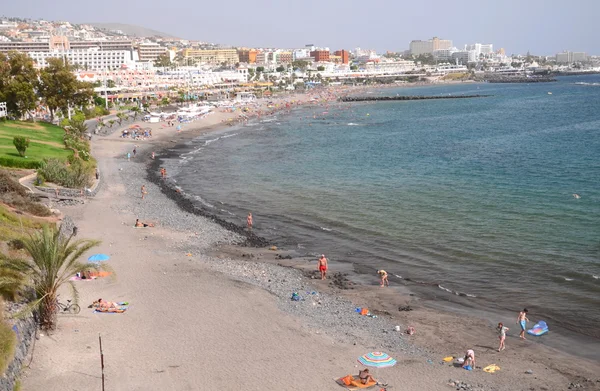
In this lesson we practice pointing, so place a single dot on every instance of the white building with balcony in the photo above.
(90, 59)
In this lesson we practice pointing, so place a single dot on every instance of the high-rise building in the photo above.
(320, 55)
(213, 56)
(247, 56)
(344, 54)
(150, 51)
(569, 57)
(418, 47)
(90, 59)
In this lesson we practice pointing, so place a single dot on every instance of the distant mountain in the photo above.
(131, 30)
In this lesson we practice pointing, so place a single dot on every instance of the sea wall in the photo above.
(389, 98)
(25, 330)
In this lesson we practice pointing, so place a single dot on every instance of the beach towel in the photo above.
(491, 368)
(118, 310)
(447, 359)
(540, 328)
(355, 383)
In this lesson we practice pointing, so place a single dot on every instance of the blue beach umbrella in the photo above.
(98, 258)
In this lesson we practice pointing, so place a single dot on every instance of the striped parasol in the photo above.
(377, 360)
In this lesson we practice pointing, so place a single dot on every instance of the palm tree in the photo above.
(54, 260)
(120, 117)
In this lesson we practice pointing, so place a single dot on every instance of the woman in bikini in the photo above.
(365, 377)
(139, 224)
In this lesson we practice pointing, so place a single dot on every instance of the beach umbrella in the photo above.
(377, 360)
(98, 258)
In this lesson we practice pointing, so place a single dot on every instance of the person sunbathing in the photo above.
(365, 377)
(105, 305)
(138, 224)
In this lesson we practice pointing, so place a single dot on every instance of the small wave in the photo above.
(569, 279)
(596, 277)
(198, 198)
(326, 229)
(587, 84)
(397, 276)
(208, 142)
(352, 124)
(455, 292)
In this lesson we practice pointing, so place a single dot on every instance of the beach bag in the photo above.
(364, 311)
(347, 380)
(295, 297)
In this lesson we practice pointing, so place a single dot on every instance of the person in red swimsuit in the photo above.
(323, 266)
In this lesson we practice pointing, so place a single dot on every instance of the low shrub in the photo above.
(10, 185)
(7, 161)
(8, 342)
(25, 203)
(75, 176)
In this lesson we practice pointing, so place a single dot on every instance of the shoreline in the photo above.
(429, 295)
(331, 331)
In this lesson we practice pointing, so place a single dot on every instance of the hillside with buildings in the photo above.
(131, 62)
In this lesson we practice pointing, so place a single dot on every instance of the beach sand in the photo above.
(207, 314)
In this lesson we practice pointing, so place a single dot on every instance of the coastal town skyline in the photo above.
(520, 29)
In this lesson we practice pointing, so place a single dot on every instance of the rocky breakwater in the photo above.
(406, 97)
(519, 79)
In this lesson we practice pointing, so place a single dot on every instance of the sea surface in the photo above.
(473, 198)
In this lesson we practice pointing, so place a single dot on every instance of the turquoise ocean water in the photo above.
(470, 195)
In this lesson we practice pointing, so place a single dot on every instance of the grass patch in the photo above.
(8, 342)
(46, 141)
(16, 226)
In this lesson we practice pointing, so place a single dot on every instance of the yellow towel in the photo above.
(491, 368)
(448, 359)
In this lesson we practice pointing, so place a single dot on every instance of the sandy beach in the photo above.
(207, 313)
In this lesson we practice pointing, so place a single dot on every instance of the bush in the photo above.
(77, 175)
(10, 185)
(21, 143)
(8, 342)
(7, 161)
(25, 203)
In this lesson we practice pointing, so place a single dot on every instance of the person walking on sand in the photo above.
(134, 150)
(152, 155)
(384, 278)
(502, 331)
(144, 192)
(128, 156)
(522, 321)
(323, 266)
(249, 221)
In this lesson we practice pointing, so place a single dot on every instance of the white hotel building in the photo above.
(90, 59)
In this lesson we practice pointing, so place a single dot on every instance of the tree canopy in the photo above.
(59, 88)
(18, 80)
(164, 60)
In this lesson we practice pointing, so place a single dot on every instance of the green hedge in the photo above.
(19, 162)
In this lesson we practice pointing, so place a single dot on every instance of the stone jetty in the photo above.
(406, 97)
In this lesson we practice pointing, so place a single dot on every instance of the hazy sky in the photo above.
(541, 26)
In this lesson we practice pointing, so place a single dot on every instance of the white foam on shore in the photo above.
(455, 292)
(203, 202)
(352, 124)
(568, 279)
(397, 276)
(326, 229)
(596, 277)
(208, 142)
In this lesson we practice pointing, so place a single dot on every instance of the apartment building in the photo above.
(212, 56)
(150, 51)
(91, 59)
(419, 47)
(247, 56)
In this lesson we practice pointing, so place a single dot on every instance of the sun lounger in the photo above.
(355, 383)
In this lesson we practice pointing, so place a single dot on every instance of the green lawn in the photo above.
(46, 141)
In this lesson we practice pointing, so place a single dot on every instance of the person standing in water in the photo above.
(522, 321)
(322, 265)
(249, 221)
